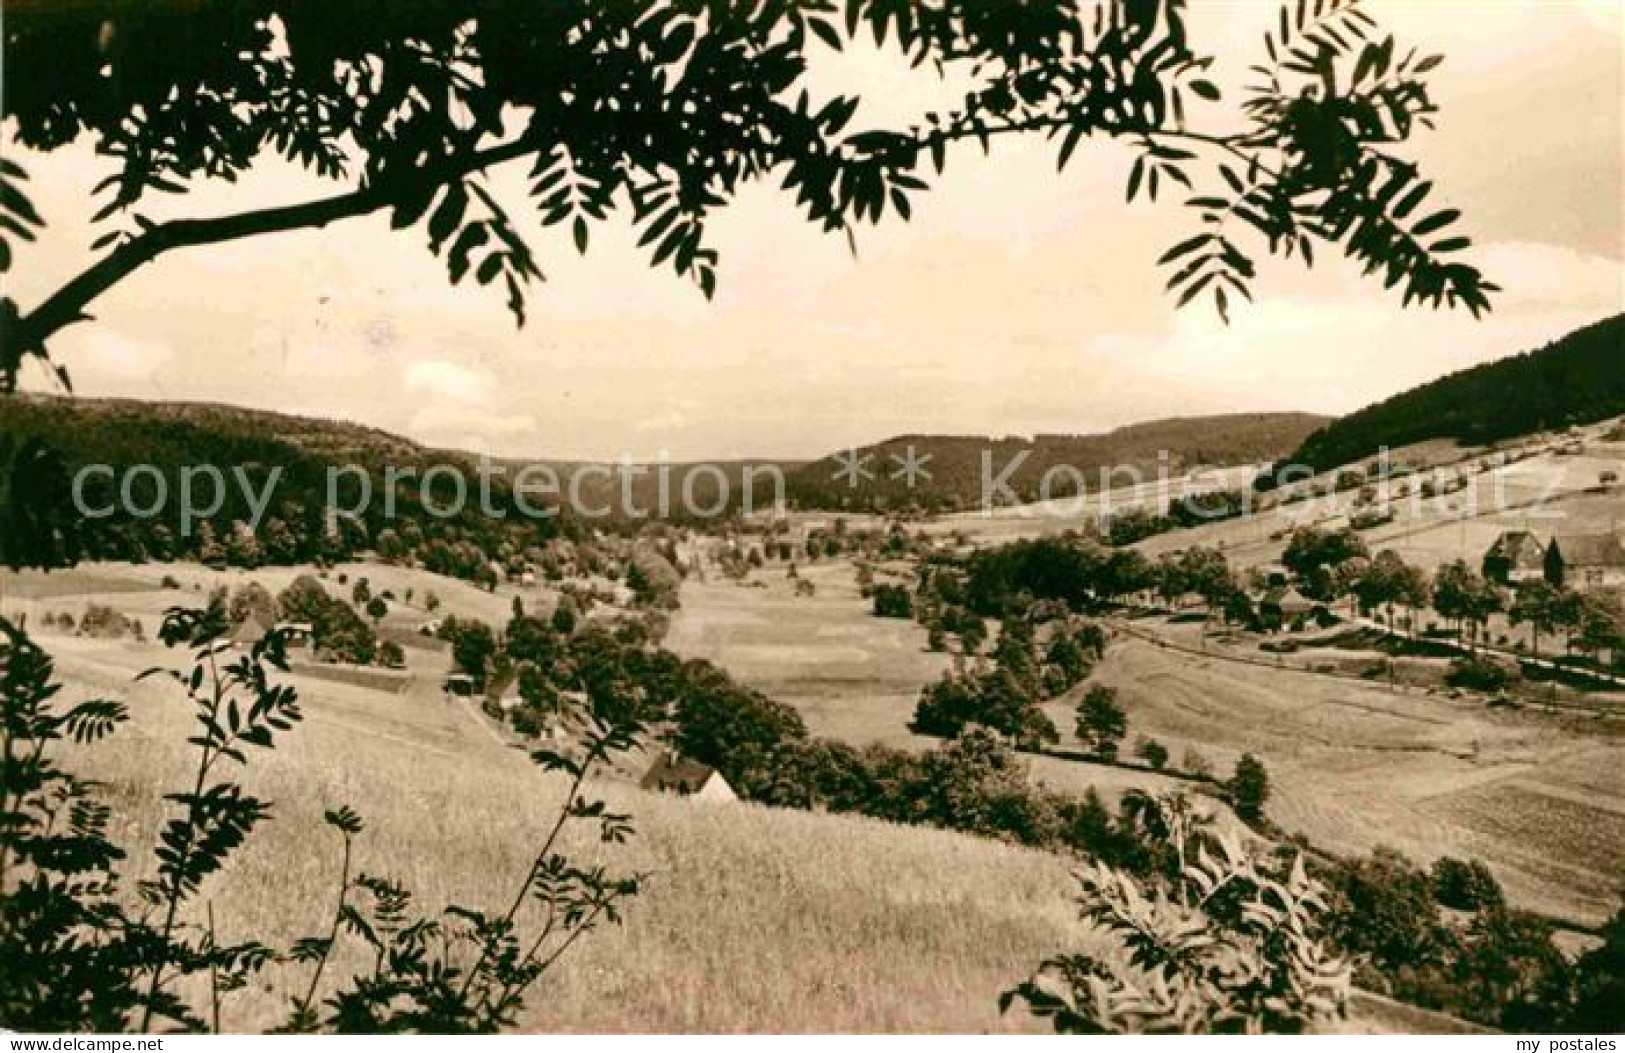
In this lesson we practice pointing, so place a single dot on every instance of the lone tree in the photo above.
(1101, 722)
(1250, 788)
(664, 110)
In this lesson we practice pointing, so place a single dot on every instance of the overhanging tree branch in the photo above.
(67, 305)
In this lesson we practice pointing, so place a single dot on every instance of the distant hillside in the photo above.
(956, 462)
(1576, 380)
(174, 436)
(171, 435)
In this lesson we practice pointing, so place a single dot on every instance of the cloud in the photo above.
(470, 428)
(1547, 275)
(448, 380)
(109, 352)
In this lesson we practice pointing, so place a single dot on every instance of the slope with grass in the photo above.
(1354, 766)
(753, 919)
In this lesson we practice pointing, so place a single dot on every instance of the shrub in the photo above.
(391, 655)
(1152, 752)
(893, 601)
(1197, 764)
(1466, 886)
(1481, 674)
(169, 582)
(996, 699)
(1249, 789)
(104, 623)
(1229, 944)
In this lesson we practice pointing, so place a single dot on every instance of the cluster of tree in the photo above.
(337, 631)
(98, 621)
(1325, 564)
(939, 605)
(1069, 568)
(1479, 959)
(1332, 565)
(1190, 510)
(755, 547)
(1589, 621)
(819, 542)
(1199, 571)
(1574, 380)
(431, 519)
(974, 783)
(1029, 664)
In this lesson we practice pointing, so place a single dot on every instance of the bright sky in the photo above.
(1016, 301)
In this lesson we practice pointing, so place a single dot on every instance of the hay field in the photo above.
(1354, 766)
(754, 919)
(851, 675)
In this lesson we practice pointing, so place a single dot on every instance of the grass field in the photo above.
(757, 919)
(1355, 765)
(754, 919)
(852, 676)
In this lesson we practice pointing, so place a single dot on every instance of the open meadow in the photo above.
(753, 919)
(852, 676)
(1353, 765)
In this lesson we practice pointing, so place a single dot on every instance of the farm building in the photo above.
(1286, 604)
(1516, 556)
(503, 691)
(299, 634)
(1586, 561)
(250, 632)
(673, 774)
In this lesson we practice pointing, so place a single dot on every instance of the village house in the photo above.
(1516, 556)
(250, 632)
(1586, 562)
(1286, 606)
(673, 774)
(299, 634)
(503, 691)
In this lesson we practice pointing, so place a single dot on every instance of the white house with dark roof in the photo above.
(1586, 562)
(671, 773)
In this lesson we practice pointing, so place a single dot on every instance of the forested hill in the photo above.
(956, 469)
(1575, 380)
(173, 435)
(165, 440)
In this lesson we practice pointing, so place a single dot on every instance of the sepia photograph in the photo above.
(666, 518)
